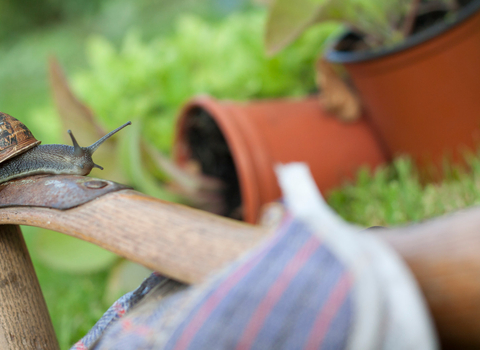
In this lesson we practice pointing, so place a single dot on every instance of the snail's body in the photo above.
(25, 157)
(44, 159)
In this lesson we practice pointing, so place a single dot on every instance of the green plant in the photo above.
(395, 194)
(150, 81)
(380, 22)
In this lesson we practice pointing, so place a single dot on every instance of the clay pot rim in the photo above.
(336, 56)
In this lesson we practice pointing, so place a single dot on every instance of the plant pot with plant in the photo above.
(413, 63)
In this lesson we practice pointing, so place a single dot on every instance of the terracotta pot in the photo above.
(261, 134)
(423, 96)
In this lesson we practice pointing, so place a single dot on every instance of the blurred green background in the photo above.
(141, 60)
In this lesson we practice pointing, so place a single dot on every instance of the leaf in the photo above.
(75, 114)
(134, 167)
(287, 20)
(65, 253)
(377, 20)
(196, 189)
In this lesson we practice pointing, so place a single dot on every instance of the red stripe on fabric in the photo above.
(275, 293)
(129, 327)
(119, 309)
(324, 319)
(80, 346)
(222, 291)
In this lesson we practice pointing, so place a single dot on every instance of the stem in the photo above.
(410, 18)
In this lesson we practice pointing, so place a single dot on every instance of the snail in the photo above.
(22, 155)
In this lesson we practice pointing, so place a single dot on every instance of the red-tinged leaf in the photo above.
(196, 189)
(287, 20)
(75, 114)
(78, 117)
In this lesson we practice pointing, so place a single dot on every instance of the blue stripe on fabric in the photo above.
(291, 321)
(336, 338)
(238, 307)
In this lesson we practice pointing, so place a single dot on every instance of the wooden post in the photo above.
(24, 320)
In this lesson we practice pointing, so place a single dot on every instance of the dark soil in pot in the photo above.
(210, 150)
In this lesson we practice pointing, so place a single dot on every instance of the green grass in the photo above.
(395, 195)
(75, 301)
(23, 61)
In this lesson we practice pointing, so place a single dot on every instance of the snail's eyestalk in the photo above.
(78, 151)
(92, 148)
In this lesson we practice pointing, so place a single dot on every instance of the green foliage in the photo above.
(395, 195)
(75, 302)
(150, 81)
(19, 16)
(382, 23)
(23, 62)
(380, 20)
(147, 82)
(64, 253)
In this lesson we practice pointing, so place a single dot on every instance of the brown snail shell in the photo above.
(15, 138)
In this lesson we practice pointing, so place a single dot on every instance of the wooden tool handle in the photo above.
(180, 242)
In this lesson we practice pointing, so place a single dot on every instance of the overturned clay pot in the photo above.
(241, 143)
